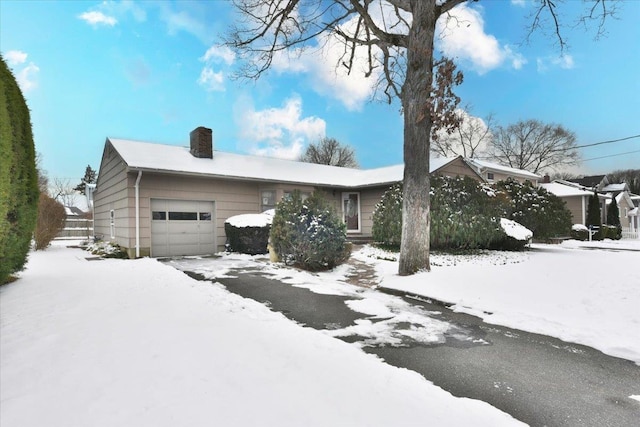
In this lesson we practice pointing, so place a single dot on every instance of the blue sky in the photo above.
(152, 71)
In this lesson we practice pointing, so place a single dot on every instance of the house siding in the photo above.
(112, 193)
(575, 206)
(457, 168)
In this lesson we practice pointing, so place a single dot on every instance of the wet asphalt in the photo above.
(539, 380)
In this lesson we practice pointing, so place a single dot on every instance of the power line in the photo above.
(611, 155)
(608, 142)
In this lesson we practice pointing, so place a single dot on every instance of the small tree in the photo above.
(51, 218)
(613, 219)
(593, 211)
(387, 218)
(88, 178)
(308, 233)
(330, 152)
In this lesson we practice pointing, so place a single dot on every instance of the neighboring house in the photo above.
(165, 200)
(493, 172)
(575, 197)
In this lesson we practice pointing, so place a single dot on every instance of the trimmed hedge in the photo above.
(308, 233)
(18, 176)
(247, 240)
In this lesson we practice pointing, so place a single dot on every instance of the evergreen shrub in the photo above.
(465, 214)
(613, 220)
(51, 218)
(18, 177)
(248, 239)
(545, 214)
(308, 234)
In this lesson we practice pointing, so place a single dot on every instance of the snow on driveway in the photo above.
(582, 292)
(138, 343)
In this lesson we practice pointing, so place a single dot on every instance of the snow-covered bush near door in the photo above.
(308, 234)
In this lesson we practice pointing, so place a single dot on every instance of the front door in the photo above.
(351, 211)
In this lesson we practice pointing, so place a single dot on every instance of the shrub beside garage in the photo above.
(249, 233)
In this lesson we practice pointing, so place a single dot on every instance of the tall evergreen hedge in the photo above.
(18, 177)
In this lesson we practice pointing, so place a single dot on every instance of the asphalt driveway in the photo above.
(537, 379)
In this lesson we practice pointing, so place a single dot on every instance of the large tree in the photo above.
(89, 177)
(329, 151)
(18, 177)
(630, 176)
(534, 146)
(470, 139)
(396, 40)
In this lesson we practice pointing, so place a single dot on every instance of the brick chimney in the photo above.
(546, 179)
(202, 142)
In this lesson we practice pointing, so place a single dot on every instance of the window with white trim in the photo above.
(112, 223)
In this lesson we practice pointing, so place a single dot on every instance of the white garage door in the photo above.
(182, 227)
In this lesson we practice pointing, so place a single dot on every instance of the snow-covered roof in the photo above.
(484, 165)
(176, 159)
(613, 188)
(564, 190)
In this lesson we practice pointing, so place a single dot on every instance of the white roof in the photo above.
(615, 187)
(175, 159)
(483, 164)
(564, 190)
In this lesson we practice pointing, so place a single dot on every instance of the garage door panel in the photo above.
(182, 227)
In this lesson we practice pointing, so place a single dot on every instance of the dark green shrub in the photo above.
(579, 232)
(545, 214)
(593, 211)
(247, 240)
(387, 218)
(465, 214)
(613, 220)
(51, 217)
(18, 177)
(608, 232)
(308, 234)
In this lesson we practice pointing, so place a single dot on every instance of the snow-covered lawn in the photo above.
(582, 292)
(138, 343)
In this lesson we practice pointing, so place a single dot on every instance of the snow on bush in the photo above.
(107, 250)
(308, 234)
(515, 230)
(249, 233)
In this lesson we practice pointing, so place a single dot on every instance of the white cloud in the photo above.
(520, 3)
(96, 18)
(26, 77)
(565, 62)
(211, 80)
(15, 57)
(462, 36)
(217, 53)
(278, 132)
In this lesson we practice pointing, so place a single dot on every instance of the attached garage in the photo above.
(182, 227)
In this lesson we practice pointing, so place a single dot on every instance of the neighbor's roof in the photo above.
(175, 159)
(483, 164)
(589, 181)
(563, 190)
(615, 187)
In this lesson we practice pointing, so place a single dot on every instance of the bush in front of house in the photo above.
(107, 250)
(51, 218)
(387, 218)
(579, 232)
(608, 232)
(465, 214)
(248, 233)
(545, 214)
(308, 234)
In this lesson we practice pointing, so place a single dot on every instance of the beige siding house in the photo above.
(492, 172)
(165, 200)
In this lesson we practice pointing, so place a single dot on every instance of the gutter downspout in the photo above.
(137, 187)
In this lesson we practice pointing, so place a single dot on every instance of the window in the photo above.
(490, 176)
(303, 195)
(268, 200)
(205, 216)
(159, 215)
(183, 216)
(112, 223)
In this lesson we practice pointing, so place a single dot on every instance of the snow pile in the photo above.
(515, 230)
(252, 220)
(136, 342)
(579, 227)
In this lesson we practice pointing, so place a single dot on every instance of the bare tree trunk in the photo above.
(416, 91)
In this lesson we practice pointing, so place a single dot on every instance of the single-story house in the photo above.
(165, 200)
(576, 198)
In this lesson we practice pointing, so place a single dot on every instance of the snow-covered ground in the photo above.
(138, 343)
(583, 292)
